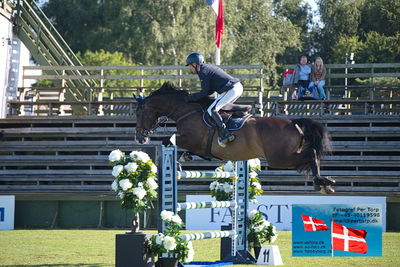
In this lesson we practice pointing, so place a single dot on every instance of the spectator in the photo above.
(318, 73)
(302, 75)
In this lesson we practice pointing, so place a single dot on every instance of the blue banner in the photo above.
(357, 230)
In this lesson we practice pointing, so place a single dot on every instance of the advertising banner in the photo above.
(7, 207)
(337, 230)
(276, 209)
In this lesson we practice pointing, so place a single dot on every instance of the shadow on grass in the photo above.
(59, 265)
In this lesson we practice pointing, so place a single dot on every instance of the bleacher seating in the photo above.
(69, 155)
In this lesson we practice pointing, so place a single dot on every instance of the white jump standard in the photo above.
(168, 196)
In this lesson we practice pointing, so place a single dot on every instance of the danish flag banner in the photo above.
(313, 224)
(348, 239)
(337, 230)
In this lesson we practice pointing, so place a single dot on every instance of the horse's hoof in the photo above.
(327, 190)
(329, 181)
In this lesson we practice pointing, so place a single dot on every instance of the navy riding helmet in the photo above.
(194, 58)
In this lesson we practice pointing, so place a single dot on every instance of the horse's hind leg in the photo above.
(323, 184)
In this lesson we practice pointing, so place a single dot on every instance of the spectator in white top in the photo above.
(302, 74)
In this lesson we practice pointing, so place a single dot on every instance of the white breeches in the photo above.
(226, 97)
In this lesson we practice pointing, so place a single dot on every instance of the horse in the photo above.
(285, 144)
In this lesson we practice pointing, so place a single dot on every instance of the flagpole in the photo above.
(217, 55)
(332, 237)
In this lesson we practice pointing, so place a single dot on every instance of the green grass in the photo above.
(97, 248)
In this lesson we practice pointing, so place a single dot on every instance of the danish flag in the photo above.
(348, 239)
(313, 224)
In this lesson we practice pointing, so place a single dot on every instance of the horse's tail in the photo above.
(316, 136)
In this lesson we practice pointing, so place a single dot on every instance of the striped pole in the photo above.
(205, 205)
(205, 174)
(207, 235)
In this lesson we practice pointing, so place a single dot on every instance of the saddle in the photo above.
(233, 115)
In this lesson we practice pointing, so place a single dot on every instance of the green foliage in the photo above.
(170, 240)
(260, 230)
(368, 28)
(164, 32)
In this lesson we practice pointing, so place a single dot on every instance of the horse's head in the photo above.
(150, 108)
(146, 119)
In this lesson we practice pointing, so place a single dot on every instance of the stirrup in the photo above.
(227, 139)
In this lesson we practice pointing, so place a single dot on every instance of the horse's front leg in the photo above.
(322, 184)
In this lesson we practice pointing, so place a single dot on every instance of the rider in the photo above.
(213, 79)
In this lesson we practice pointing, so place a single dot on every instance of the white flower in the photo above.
(121, 195)
(140, 156)
(228, 188)
(220, 187)
(258, 228)
(266, 223)
(114, 185)
(139, 192)
(256, 185)
(131, 167)
(140, 184)
(253, 174)
(115, 155)
(152, 183)
(153, 168)
(117, 170)
(253, 214)
(190, 245)
(169, 243)
(213, 185)
(176, 219)
(254, 163)
(253, 200)
(166, 215)
(125, 184)
(229, 167)
(159, 238)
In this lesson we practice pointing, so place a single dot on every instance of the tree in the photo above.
(164, 32)
(339, 17)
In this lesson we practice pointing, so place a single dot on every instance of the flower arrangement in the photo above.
(170, 241)
(254, 183)
(260, 230)
(135, 179)
(222, 188)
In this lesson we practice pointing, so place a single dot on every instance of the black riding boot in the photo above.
(224, 135)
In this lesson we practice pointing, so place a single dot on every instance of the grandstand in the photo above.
(54, 157)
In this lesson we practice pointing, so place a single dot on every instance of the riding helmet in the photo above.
(194, 58)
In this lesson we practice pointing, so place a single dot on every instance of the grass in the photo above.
(97, 248)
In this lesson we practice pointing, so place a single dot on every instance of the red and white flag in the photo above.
(313, 224)
(218, 7)
(348, 239)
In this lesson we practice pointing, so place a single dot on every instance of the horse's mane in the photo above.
(169, 88)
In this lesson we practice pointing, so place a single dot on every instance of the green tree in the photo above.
(300, 15)
(339, 17)
(164, 32)
(380, 16)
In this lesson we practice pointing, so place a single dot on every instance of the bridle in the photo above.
(146, 132)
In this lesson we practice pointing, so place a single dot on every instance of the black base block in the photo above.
(129, 251)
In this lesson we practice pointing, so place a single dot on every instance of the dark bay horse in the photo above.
(285, 144)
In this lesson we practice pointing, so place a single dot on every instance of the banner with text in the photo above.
(7, 207)
(337, 230)
(276, 209)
